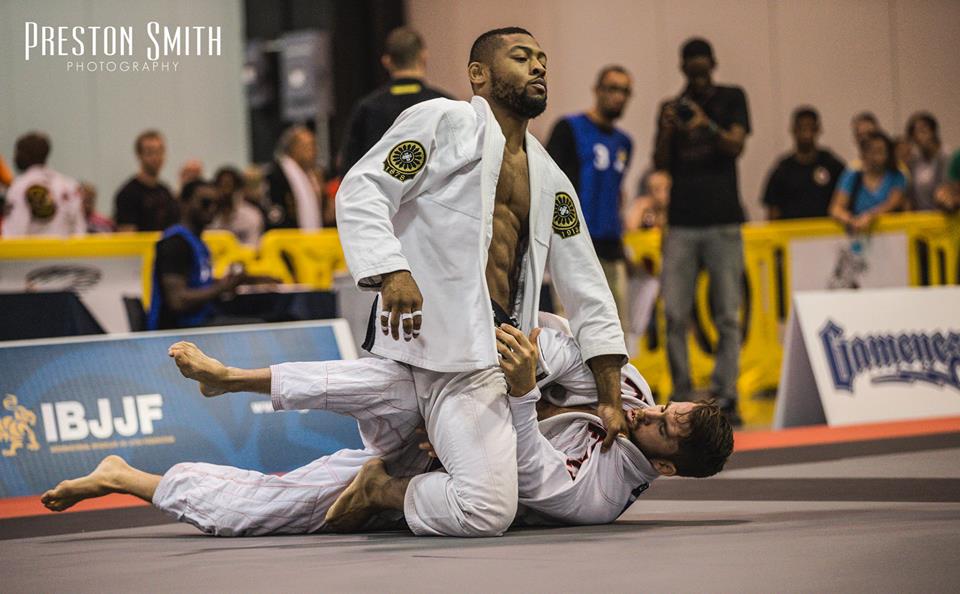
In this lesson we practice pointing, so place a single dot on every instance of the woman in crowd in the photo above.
(861, 196)
(927, 161)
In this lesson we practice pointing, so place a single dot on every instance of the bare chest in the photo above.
(513, 188)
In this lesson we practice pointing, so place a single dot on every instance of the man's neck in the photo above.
(148, 179)
(514, 127)
(806, 155)
(417, 73)
(193, 227)
(599, 119)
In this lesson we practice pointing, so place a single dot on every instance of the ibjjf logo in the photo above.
(40, 201)
(405, 160)
(932, 358)
(16, 429)
(566, 223)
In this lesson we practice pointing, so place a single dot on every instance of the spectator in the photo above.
(594, 154)
(235, 214)
(185, 294)
(96, 222)
(879, 188)
(145, 203)
(294, 185)
(701, 134)
(191, 170)
(405, 59)
(649, 209)
(802, 183)
(41, 201)
(927, 161)
(863, 124)
(948, 194)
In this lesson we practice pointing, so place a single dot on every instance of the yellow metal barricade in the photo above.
(310, 258)
(767, 299)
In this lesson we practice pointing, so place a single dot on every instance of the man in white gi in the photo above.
(41, 201)
(563, 479)
(456, 210)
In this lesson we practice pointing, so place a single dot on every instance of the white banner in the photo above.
(870, 261)
(866, 356)
(100, 283)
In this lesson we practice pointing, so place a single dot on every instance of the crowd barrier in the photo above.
(932, 257)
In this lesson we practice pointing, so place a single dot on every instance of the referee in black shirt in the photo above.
(405, 60)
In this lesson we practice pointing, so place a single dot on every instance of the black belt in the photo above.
(500, 316)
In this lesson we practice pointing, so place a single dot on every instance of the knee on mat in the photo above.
(487, 516)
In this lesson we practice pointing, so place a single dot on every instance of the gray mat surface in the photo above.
(813, 530)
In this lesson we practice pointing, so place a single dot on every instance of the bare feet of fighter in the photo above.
(112, 475)
(194, 364)
(373, 490)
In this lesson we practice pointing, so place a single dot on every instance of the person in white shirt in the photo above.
(563, 478)
(41, 201)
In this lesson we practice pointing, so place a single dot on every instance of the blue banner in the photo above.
(67, 403)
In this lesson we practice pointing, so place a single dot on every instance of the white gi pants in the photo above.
(469, 423)
(228, 501)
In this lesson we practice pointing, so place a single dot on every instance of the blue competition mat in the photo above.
(67, 403)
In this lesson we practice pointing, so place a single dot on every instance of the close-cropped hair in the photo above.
(484, 46)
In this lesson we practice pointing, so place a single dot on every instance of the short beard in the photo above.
(612, 114)
(517, 100)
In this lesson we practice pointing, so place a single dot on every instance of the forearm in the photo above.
(729, 143)
(661, 152)
(606, 372)
(187, 299)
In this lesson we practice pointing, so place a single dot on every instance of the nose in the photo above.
(538, 68)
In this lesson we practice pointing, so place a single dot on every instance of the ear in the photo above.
(477, 73)
(386, 62)
(664, 467)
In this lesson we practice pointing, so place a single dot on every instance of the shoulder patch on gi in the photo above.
(41, 203)
(566, 223)
(405, 160)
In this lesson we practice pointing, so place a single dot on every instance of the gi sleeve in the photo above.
(541, 469)
(374, 188)
(561, 356)
(581, 285)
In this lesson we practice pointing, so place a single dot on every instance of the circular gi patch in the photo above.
(821, 176)
(566, 223)
(40, 201)
(405, 160)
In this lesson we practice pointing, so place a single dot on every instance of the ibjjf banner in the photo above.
(873, 355)
(67, 403)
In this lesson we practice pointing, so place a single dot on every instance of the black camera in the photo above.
(684, 110)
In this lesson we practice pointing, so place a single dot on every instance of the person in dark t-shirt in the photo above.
(802, 183)
(145, 203)
(185, 294)
(406, 61)
(700, 135)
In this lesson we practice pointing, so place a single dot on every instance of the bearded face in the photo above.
(522, 97)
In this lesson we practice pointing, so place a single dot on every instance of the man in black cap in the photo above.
(405, 58)
(700, 135)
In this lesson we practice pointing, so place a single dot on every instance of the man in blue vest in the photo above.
(184, 290)
(594, 154)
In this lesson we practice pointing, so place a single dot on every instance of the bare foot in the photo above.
(100, 482)
(195, 365)
(358, 501)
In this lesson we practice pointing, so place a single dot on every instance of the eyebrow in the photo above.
(530, 51)
(663, 421)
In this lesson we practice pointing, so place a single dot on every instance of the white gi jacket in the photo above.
(422, 200)
(42, 201)
(563, 477)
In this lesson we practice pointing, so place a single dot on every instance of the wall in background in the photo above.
(889, 56)
(93, 118)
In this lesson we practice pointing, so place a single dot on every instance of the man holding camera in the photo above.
(700, 135)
